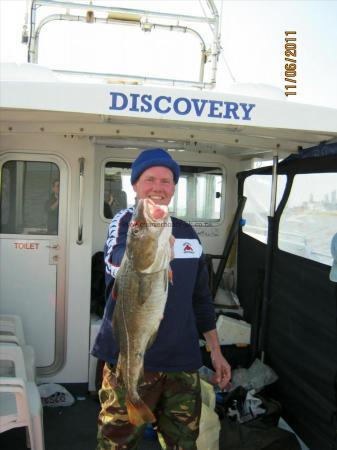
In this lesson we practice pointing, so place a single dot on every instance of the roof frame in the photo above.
(147, 20)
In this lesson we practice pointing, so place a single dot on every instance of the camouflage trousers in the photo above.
(175, 399)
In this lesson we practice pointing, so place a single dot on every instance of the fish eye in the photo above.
(135, 230)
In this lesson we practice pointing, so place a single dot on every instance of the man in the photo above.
(52, 208)
(171, 386)
(108, 200)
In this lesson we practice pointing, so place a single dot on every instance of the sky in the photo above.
(252, 40)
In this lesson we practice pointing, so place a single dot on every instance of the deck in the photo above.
(67, 428)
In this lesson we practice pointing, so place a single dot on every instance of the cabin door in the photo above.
(32, 251)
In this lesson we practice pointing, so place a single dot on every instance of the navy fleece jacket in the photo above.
(189, 308)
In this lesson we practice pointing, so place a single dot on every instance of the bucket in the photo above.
(209, 421)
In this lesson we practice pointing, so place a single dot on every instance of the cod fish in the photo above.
(140, 291)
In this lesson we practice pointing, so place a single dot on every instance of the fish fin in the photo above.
(139, 413)
(119, 373)
(165, 279)
(172, 240)
(168, 278)
(170, 275)
(114, 292)
(141, 375)
(151, 340)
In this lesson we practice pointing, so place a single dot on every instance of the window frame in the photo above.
(284, 205)
(30, 160)
(193, 222)
(290, 170)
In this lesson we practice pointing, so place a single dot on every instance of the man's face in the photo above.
(157, 184)
(56, 187)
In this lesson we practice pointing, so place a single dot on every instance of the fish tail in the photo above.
(139, 413)
(170, 275)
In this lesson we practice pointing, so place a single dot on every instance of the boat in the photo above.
(258, 184)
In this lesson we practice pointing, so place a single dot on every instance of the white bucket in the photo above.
(209, 422)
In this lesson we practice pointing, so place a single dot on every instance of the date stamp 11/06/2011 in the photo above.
(290, 54)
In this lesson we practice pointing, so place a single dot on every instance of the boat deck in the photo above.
(67, 428)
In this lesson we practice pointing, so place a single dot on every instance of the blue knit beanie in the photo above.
(151, 158)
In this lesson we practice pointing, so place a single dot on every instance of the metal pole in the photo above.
(31, 45)
(216, 41)
(66, 4)
(273, 186)
(269, 261)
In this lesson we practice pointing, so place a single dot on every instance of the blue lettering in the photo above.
(180, 100)
(146, 101)
(135, 98)
(181, 106)
(247, 109)
(231, 108)
(214, 108)
(114, 98)
(157, 106)
(198, 108)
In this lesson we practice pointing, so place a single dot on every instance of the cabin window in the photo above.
(309, 219)
(29, 197)
(74, 47)
(257, 189)
(198, 194)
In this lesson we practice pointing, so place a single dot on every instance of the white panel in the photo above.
(28, 288)
(94, 329)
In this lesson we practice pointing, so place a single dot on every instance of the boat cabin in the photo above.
(258, 183)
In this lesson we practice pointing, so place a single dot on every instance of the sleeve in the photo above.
(115, 247)
(202, 300)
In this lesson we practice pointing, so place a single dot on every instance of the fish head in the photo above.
(148, 235)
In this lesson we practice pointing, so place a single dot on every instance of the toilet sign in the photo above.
(26, 245)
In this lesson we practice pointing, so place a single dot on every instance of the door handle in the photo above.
(79, 240)
(54, 246)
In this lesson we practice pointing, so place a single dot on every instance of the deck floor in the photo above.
(67, 428)
(73, 428)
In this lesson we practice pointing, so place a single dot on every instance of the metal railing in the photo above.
(147, 20)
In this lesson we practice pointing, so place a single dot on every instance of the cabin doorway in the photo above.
(33, 211)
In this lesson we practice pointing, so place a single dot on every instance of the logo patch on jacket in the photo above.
(184, 248)
(188, 248)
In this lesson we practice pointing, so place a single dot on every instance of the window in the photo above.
(197, 196)
(257, 189)
(65, 45)
(309, 219)
(118, 192)
(29, 198)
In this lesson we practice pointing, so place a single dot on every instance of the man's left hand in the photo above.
(222, 369)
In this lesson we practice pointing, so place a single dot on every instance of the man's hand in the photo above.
(222, 369)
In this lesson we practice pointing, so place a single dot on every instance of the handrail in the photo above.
(79, 240)
(67, 4)
(34, 48)
(140, 17)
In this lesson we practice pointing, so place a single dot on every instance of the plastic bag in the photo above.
(256, 377)
(55, 395)
(240, 377)
(261, 375)
(209, 421)
(206, 374)
(252, 407)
